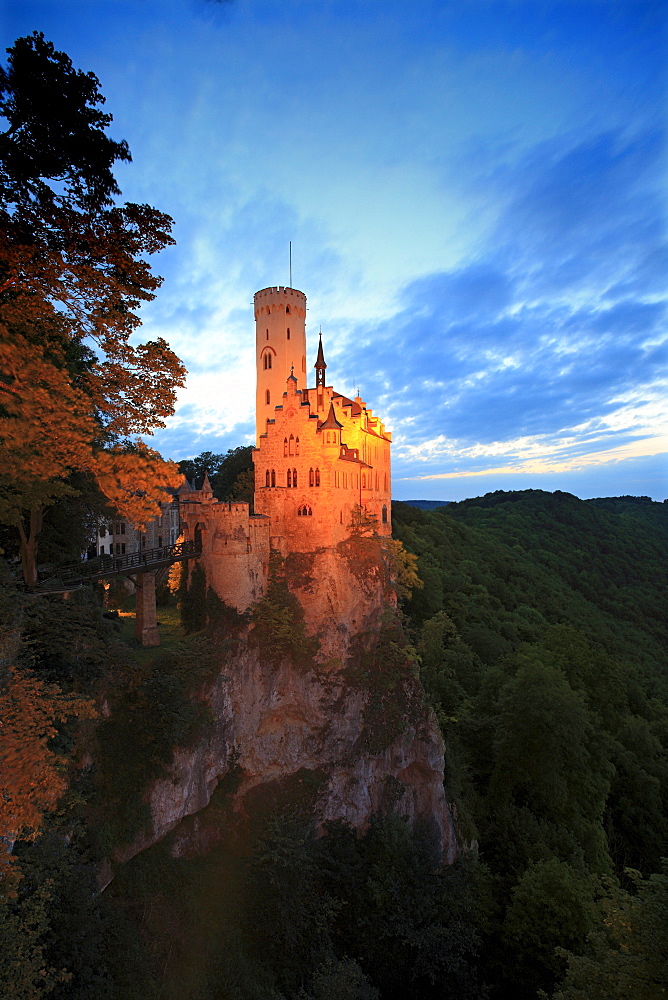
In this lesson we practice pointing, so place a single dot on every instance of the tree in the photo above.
(31, 774)
(73, 273)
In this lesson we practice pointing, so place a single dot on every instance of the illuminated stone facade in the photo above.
(320, 459)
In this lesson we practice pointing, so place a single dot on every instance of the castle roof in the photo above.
(331, 424)
(320, 360)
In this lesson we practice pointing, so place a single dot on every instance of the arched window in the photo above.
(273, 477)
(299, 512)
(291, 446)
(384, 518)
(317, 477)
(289, 478)
(287, 309)
(269, 361)
(266, 478)
(327, 438)
(288, 332)
(311, 480)
(296, 446)
(267, 397)
(285, 447)
(294, 477)
(310, 512)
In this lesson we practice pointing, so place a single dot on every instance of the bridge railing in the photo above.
(109, 565)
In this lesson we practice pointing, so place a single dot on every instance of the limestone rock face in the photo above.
(360, 734)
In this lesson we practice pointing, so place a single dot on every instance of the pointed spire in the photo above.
(206, 485)
(320, 365)
(331, 423)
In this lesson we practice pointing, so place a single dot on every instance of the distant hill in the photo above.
(425, 504)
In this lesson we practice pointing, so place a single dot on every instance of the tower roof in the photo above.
(320, 360)
(331, 423)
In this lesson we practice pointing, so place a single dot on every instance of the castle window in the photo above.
(287, 309)
(273, 477)
(294, 477)
(267, 397)
(267, 360)
(340, 517)
(101, 550)
(289, 478)
(385, 483)
(267, 334)
(384, 518)
(291, 447)
(363, 481)
(303, 363)
(288, 333)
(296, 446)
(317, 477)
(266, 478)
(285, 447)
(310, 477)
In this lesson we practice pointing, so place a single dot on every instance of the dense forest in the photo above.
(540, 636)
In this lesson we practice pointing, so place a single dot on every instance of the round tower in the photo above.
(280, 348)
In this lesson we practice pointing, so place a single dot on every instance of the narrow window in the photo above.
(289, 479)
(291, 447)
(269, 361)
(317, 477)
(266, 478)
(363, 481)
(296, 446)
(310, 477)
(122, 548)
(299, 512)
(101, 550)
(376, 482)
(310, 512)
(385, 483)
(288, 333)
(294, 477)
(285, 447)
(159, 541)
(287, 309)
(267, 334)
(268, 397)
(303, 363)
(384, 514)
(273, 477)
(340, 517)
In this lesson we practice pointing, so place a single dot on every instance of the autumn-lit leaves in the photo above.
(73, 273)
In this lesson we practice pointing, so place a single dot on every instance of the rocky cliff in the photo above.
(316, 699)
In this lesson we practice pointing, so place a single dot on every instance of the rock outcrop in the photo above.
(350, 721)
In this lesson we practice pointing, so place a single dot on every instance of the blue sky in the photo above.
(473, 190)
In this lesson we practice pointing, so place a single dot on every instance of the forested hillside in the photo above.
(542, 634)
(540, 638)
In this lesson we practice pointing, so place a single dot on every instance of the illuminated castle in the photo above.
(322, 462)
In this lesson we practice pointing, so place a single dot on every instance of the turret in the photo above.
(280, 348)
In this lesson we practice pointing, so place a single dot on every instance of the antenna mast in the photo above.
(290, 263)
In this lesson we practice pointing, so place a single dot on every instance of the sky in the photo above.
(475, 195)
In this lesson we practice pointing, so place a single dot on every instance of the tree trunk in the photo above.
(29, 529)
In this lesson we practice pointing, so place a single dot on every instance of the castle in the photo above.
(321, 461)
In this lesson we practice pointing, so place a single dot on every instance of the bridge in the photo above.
(141, 567)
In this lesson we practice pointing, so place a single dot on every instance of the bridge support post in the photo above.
(146, 621)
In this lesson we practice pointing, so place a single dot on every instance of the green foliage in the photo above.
(154, 711)
(340, 980)
(541, 632)
(628, 952)
(277, 620)
(231, 475)
(24, 926)
(384, 665)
